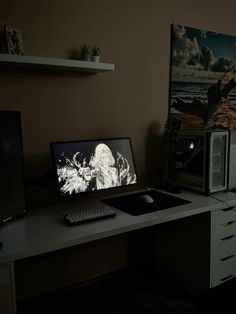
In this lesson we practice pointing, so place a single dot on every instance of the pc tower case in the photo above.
(12, 194)
(198, 159)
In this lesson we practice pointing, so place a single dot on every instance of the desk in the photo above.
(42, 231)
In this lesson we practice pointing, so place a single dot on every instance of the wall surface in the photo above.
(131, 101)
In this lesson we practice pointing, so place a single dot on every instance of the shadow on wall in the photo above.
(40, 185)
(154, 156)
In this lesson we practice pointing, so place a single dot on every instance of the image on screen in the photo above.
(85, 166)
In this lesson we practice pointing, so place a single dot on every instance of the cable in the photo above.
(54, 206)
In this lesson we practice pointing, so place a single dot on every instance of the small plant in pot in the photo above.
(85, 54)
(95, 54)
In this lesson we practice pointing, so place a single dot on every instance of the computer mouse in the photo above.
(146, 198)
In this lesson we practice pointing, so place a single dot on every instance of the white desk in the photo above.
(42, 231)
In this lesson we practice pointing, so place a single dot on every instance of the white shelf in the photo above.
(54, 63)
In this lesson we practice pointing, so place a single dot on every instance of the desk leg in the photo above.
(7, 289)
(13, 289)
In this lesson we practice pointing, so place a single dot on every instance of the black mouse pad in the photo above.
(134, 206)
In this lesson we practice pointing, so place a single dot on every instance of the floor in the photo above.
(132, 292)
(220, 299)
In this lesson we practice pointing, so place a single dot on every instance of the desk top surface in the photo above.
(43, 230)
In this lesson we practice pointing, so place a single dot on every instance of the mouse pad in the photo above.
(134, 206)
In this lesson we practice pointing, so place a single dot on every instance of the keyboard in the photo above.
(87, 215)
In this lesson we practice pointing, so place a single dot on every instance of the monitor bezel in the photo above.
(80, 194)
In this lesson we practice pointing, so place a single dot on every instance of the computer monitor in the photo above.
(92, 165)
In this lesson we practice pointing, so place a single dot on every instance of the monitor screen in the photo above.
(85, 166)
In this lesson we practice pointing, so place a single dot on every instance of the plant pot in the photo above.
(95, 58)
(86, 57)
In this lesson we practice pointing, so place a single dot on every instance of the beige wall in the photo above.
(131, 101)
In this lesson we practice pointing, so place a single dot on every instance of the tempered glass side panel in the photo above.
(189, 155)
(188, 161)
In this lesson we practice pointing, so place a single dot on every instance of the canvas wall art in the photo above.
(11, 40)
(203, 79)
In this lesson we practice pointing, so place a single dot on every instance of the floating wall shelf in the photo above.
(31, 62)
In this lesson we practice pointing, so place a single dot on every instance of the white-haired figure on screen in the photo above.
(103, 164)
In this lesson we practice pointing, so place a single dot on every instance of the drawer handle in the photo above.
(228, 209)
(225, 278)
(228, 238)
(227, 257)
(229, 223)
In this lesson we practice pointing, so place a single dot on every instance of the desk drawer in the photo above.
(223, 247)
(223, 269)
(220, 281)
(5, 276)
(222, 216)
(224, 229)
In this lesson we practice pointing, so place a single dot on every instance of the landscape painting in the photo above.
(203, 79)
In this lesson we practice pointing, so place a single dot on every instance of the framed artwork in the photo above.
(202, 79)
(11, 40)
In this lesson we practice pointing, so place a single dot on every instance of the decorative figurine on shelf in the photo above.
(85, 54)
(95, 54)
(11, 40)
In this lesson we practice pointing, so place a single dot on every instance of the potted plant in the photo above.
(95, 54)
(85, 54)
